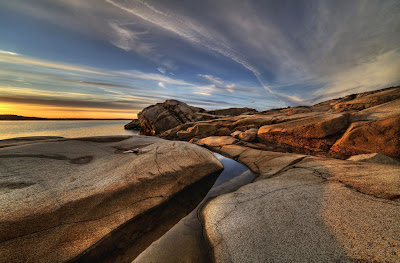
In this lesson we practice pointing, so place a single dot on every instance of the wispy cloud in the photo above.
(252, 53)
(8, 53)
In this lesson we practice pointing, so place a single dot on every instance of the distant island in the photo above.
(9, 117)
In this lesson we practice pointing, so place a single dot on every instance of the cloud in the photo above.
(8, 53)
(212, 79)
(162, 70)
(160, 84)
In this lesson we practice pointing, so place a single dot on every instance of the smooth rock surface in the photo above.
(309, 210)
(59, 197)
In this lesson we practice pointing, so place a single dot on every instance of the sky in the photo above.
(112, 58)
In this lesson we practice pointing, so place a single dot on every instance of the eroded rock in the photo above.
(381, 136)
(308, 135)
(161, 117)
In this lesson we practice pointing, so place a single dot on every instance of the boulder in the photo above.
(63, 198)
(381, 136)
(248, 136)
(235, 134)
(374, 158)
(133, 125)
(306, 135)
(161, 117)
(217, 141)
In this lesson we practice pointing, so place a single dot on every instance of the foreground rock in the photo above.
(59, 198)
(304, 208)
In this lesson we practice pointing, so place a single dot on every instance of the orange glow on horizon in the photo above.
(44, 111)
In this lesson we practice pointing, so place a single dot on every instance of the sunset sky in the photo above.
(112, 58)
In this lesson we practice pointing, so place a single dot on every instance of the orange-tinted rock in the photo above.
(308, 135)
(371, 137)
(365, 101)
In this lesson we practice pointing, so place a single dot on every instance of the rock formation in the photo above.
(61, 198)
(158, 118)
(357, 124)
(303, 204)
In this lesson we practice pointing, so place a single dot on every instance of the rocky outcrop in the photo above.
(158, 118)
(133, 125)
(304, 207)
(62, 199)
(309, 135)
(356, 124)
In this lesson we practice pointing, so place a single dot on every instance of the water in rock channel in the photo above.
(184, 241)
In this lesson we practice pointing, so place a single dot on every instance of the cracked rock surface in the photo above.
(305, 209)
(59, 197)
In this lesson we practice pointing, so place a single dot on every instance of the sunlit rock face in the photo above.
(60, 197)
(161, 117)
(158, 118)
(357, 124)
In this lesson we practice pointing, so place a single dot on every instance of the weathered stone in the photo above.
(308, 135)
(60, 197)
(249, 135)
(313, 209)
(364, 101)
(161, 117)
(133, 125)
(382, 111)
(374, 158)
(381, 136)
(235, 134)
(217, 141)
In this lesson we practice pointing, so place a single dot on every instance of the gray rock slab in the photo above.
(59, 197)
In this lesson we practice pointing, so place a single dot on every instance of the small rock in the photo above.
(249, 135)
(133, 125)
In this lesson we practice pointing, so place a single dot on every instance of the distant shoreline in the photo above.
(23, 118)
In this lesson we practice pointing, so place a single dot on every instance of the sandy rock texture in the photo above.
(305, 209)
(60, 197)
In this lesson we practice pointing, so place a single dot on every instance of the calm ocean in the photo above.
(69, 129)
